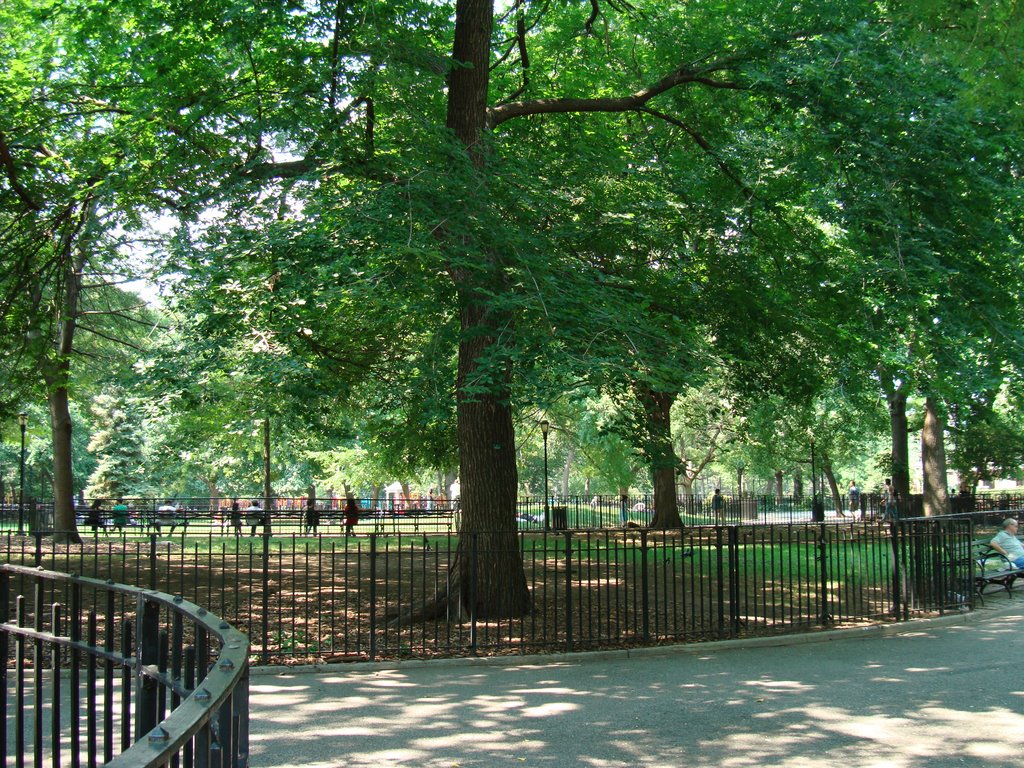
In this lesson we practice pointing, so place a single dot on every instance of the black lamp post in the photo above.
(817, 508)
(544, 427)
(23, 421)
(814, 476)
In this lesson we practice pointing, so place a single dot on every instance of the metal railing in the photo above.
(392, 515)
(107, 674)
(330, 597)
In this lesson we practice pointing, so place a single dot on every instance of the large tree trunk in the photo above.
(489, 580)
(837, 499)
(900, 451)
(933, 461)
(778, 485)
(657, 408)
(57, 374)
(570, 457)
(64, 525)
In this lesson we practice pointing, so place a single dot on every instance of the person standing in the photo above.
(94, 517)
(854, 495)
(312, 516)
(889, 501)
(351, 515)
(718, 506)
(236, 517)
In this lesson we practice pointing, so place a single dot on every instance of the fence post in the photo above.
(152, 561)
(265, 623)
(824, 616)
(645, 597)
(38, 666)
(472, 591)
(55, 686)
(74, 706)
(720, 580)
(373, 596)
(5, 612)
(896, 552)
(147, 644)
(568, 590)
(37, 534)
(734, 580)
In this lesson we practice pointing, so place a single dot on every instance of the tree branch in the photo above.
(595, 11)
(123, 316)
(701, 142)
(635, 101)
(12, 176)
(109, 338)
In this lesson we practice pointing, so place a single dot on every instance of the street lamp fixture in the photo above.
(544, 427)
(23, 422)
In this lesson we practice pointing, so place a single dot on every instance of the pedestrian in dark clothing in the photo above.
(312, 516)
(351, 516)
(94, 518)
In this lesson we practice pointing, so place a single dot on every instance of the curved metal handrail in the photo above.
(198, 707)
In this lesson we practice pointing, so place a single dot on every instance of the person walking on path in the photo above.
(854, 495)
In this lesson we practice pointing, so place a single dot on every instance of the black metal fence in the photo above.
(333, 598)
(104, 673)
(392, 515)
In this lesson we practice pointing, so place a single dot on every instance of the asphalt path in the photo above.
(944, 692)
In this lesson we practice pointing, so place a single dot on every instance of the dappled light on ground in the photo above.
(932, 697)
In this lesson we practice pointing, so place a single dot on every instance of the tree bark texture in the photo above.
(56, 374)
(492, 581)
(900, 450)
(489, 580)
(570, 457)
(933, 461)
(657, 410)
(64, 525)
(837, 499)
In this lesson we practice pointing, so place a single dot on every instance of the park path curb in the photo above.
(698, 648)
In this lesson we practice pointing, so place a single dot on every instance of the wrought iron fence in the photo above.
(392, 515)
(109, 674)
(333, 598)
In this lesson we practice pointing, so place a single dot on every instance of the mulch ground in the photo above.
(334, 600)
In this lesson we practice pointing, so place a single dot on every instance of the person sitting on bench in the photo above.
(1007, 543)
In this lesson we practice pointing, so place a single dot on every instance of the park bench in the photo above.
(992, 567)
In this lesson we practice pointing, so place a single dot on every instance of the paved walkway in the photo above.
(935, 693)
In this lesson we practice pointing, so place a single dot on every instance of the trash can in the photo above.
(558, 518)
(817, 511)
